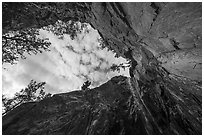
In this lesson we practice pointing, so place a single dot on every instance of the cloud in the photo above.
(66, 66)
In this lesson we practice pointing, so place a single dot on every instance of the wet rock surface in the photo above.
(164, 93)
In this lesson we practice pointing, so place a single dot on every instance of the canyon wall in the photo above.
(163, 94)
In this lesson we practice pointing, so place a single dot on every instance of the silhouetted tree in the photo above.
(115, 67)
(33, 92)
(7, 103)
(15, 44)
(86, 85)
(22, 15)
(42, 95)
(29, 93)
(21, 20)
(71, 28)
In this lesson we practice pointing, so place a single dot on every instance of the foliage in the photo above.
(115, 67)
(15, 44)
(101, 43)
(7, 103)
(71, 28)
(20, 21)
(86, 85)
(33, 92)
(21, 15)
(104, 44)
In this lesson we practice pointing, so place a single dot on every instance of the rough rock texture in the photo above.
(163, 95)
(116, 107)
(172, 32)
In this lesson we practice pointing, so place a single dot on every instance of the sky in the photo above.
(67, 65)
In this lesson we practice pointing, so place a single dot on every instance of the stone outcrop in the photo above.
(116, 107)
(170, 31)
(163, 95)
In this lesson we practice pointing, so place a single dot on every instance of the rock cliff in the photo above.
(163, 95)
(169, 32)
(120, 106)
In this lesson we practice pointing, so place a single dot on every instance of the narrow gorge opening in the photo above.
(159, 94)
(73, 59)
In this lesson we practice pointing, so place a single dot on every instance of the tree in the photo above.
(86, 85)
(7, 103)
(72, 28)
(33, 92)
(22, 15)
(42, 95)
(16, 43)
(21, 23)
(115, 67)
(29, 93)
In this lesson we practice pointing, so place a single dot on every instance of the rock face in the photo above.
(116, 107)
(163, 95)
(170, 31)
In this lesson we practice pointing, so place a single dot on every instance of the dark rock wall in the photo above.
(120, 106)
(96, 111)
(163, 95)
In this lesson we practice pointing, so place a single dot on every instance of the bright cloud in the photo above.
(66, 67)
